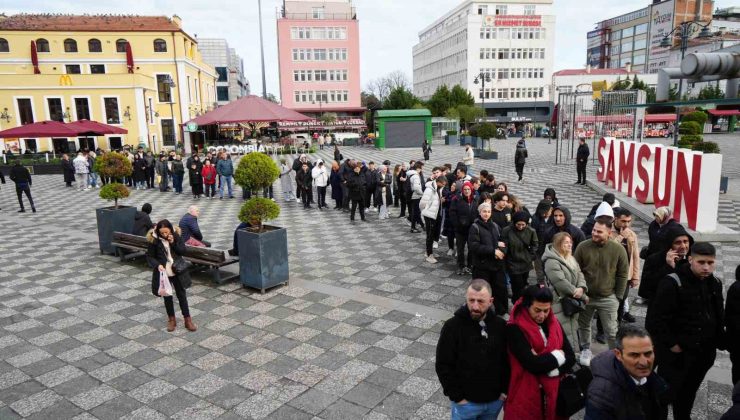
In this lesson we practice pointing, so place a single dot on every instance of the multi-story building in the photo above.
(568, 80)
(319, 56)
(509, 44)
(635, 37)
(231, 84)
(142, 73)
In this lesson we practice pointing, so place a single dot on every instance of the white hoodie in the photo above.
(320, 175)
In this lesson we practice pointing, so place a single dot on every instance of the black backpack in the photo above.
(407, 188)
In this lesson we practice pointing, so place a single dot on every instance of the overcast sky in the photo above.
(388, 28)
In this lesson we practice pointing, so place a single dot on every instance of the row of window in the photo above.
(319, 54)
(321, 96)
(338, 32)
(93, 45)
(525, 73)
(512, 93)
(320, 75)
(433, 50)
(512, 33)
(627, 46)
(513, 53)
(57, 112)
(77, 69)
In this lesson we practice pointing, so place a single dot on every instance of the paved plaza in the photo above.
(352, 337)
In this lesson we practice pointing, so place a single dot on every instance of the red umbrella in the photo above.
(249, 109)
(35, 58)
(94, 128)
(129, 58)
(39, 129)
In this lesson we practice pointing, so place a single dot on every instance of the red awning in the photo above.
(94, 128)
(249, 109)
(39, 129)
(654, 118)
(724, 112)
(615, 119)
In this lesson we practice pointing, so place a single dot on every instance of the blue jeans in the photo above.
(177, 182)
(476, 411)
(93, 179)
(225, 180)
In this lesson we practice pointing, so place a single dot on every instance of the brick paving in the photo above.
(352, 337)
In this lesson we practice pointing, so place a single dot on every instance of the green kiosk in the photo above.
(403, 128)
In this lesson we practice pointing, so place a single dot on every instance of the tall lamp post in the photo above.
(683, 31)
(482, 78)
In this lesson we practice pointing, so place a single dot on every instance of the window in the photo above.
(616, 35)
(111, 110)
(168, 132)
(4, 45)
(56, 113)
(25, 111)
(160, 45)
(223, 74)
(70, 45)
(500, 9)
(319, 54)
(628, 32)
(163, 88)
(638, 60)
(627, 46)
(97, 68)
(42, 45)
(317, 12)
(503, 54)
(482, 10)
(115, 143)
(319, 75)
(31, 145)
(121, 45)
(82, 108)
(72, 69)
(640, 44)
(94, 45)
(222, 93)
(641, 29)
(529, 9)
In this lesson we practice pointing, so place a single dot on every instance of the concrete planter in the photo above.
(263, 258)
(37, 169)
(451, 139)
(111, 219)
(485, 154)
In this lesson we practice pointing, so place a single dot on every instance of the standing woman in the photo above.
(209, 179)
(520, 157)
(566, 279)
(463, 212)
(163, 172)
(431, 206)
(425, 149)
(165, 247)
(335, 180)
(286, 180)
(401, 180)
(178, 173)
(195, 176)
(337, 154)
(488, 256)
(139, 172)
(396, 196)
(69, 170)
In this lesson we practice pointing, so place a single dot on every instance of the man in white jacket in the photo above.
(415, 178)
(320, 176)
(430, 205)
(469, 159)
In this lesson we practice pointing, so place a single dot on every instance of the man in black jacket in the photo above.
(356, 185)
(732, 326)
(472, 363)
(581, 159)
(686, 318)
(22, 178)
(673, 250)
(561, 223)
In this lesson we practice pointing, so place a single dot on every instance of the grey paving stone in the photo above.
(257, 406)
(144, 413)
(287, 412)
(173, 402)
(313, 401)
(12, 378)
(129, 381)
(205, 385)
(116, 408)
(418, 387)
(367, 394)
(94, 397)
(399, 406)
(229, 396)
(59, 376)
(200, 411)
(35, 402)
(152, 390)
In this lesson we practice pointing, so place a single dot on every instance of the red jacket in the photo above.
(209, 175)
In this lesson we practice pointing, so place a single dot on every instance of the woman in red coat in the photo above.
(209, 178)
(539, 353)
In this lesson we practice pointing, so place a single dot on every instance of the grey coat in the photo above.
(286, 178)
(562, 278)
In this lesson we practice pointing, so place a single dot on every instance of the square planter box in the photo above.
(451, 139)
(263, 258)
(485, 154)
(111, 219)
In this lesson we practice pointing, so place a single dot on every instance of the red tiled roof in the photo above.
(598, 72)
(88, 23)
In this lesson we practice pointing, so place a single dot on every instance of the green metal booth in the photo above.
(403, 128)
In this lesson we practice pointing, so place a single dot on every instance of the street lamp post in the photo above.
(683, 31)
(482, 78)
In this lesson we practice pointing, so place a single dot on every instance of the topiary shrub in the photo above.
(255, 172)
(114, 166)
(691, 138)
(486, 130)
(114, 191)
(700, 117)
(452, 132)
(706, 147)
(689, 127)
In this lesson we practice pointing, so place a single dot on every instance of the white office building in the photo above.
(507, 43)
(231, 84)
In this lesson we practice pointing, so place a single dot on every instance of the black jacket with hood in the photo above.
(470, 366)
(655, 267)
(483, 239)
(575, 233)
(142, 223)
(732, 314)
(156, 255)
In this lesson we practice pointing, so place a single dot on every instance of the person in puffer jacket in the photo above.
(430, 205)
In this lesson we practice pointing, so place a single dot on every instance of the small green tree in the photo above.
(255, 172)
(467, 113)
(400, 98)
(711, 92)
(689, 127)
(486, 130)
(258, 210)
(706, 147)
(328, 118)
(439, 102)
(460, 96)
(115, 166)
(699, 116)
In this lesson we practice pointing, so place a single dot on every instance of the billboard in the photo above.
(513, 20)
(594, 57)
(661, 23)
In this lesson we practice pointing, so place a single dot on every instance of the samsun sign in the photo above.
(685, 180)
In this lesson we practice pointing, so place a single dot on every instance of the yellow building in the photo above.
(81, 70)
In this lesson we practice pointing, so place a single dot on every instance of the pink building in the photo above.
(319, 55)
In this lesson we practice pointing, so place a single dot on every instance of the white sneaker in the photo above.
(297, 200)
(431, 260)
(450, 252)
(435, 245)
(585, 359)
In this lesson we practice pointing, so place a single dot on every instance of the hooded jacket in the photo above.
(189, 226)
(563, 279)
(468, 365)
(540, 225)
(463, 212)
(551, 192)
(416, 186)
(613, 394)
(732, 315)
(430, 200)
(320, 175)
(142, 223)
(225, 167)
(357, 186)
(483, 239)
(655, 267)
(520, 155)
(575, 233)
(156, 255)
(520, 248)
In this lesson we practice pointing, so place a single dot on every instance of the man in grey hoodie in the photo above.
(415, 177)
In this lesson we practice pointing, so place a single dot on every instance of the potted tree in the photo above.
(451, 137)
(263, 249)
(117, 218)
(486, 131)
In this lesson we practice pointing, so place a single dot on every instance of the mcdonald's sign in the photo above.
(65, 80)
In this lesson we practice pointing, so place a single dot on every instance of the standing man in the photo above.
(356, 185)
(472, 361)
(581, 159)
(624, 235)
(468, 159)
(520, 157)
(225, 171)
(686, 317)
(303, 177)
(605, 267)
(82, 170)
(416, 193)
(22, 178)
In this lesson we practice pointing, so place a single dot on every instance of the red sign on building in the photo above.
(513, 20)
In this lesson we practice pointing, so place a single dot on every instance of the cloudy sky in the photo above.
(388, 28)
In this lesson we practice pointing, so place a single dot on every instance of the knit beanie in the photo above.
(520, 216)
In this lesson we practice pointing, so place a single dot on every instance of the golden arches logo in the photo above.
(65, 80)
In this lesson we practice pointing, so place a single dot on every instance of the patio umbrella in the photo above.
(39, 129)
(35, 58)
(129, 58)
(249, 109)
(94, 128)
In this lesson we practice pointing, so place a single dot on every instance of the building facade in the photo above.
(231, 83)
(568, 80)
(634, 38)
(319, 56)
(507, 44)
(148, 80)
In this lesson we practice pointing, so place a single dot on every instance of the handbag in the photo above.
(571, 305)
(571, 398)
(180, 265)
(194, 242)
(165, 287)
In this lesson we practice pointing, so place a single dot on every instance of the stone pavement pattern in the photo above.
(82, 337)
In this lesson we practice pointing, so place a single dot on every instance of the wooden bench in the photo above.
(202, 258)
